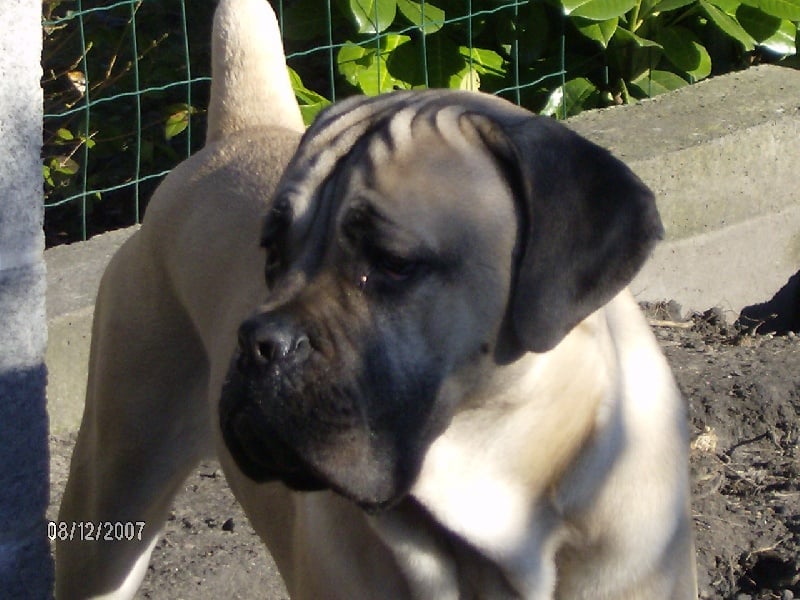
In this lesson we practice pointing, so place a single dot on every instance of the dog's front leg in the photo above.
(144, 428)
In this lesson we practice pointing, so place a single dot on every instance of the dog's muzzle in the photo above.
(270, 347)
(323, 403)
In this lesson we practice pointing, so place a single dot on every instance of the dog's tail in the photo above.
(250, 86)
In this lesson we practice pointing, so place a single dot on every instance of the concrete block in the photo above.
(73, 277)
(732, 267)
(22, 317)
(67, 359)
(21, 241)
(24, 445)
(25, 564)
(721, 157)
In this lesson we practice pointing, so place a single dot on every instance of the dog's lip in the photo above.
(263, 457)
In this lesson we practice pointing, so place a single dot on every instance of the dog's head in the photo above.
(416, 241)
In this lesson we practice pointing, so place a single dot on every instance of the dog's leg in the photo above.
(144, 428)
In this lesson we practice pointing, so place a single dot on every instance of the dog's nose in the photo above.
(267, 339)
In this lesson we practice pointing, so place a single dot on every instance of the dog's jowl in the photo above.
(405, 333)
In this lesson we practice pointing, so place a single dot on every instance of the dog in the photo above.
(407, 337)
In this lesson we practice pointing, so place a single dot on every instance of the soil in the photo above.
(744, 408)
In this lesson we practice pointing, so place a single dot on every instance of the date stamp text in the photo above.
(95, 531)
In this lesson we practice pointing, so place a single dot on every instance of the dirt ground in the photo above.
(744, 397)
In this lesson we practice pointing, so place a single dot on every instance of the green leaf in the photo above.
(484, 62)
(176, 123)
(427, 17)
(350, 60)
(309, 112)
(303, 20)
(48, 177)
(784, 41)
(728, 25)
(310, 101)
(623, 36)
(373, 16)
(682, 49)
(178, 120)
(467, 79)
(727, 6)
(447, 65)
(668, 5)
(777, 35)
(597, 10)
(64, 165)
(646, 8)
(657, 82)
(531, 27)
(64, 135)
(406, 64)
(367, 68)
(570, 99)
(390, 42)
(783, 9)
(631, 55)
(599, 31)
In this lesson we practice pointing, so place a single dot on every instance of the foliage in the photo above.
(122, 135)
(557, 57)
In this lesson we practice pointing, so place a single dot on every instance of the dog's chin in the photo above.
(265, 458)
(261, 455)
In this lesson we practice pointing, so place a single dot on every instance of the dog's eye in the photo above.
(273, 266)
(396, 268)
(273, 238)
(275, 259)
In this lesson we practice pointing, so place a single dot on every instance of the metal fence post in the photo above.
(25, 563)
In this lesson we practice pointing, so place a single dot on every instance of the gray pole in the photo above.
(25, 564)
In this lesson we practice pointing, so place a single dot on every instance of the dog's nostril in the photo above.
(273, 345)
(267, 351)
(302, 345)
(267, 342)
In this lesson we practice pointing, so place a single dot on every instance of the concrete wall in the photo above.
(25, 564)
(721, 157)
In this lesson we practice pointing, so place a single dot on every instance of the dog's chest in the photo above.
(437, 563)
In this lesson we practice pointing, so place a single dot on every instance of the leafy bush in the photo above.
(557, 57)
(124, 137)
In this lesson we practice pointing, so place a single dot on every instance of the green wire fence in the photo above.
(110, 132)
(126, 83)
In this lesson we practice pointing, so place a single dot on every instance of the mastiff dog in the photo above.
(405, 332)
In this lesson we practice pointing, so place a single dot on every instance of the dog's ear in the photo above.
(587, 225)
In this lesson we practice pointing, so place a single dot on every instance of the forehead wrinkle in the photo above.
(449, 124)
(327, 143)
(397, 234)
(345, 159)
(452, 125)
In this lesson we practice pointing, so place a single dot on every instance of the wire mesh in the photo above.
(126, 84)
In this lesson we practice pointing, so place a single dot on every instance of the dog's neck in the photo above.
(488, 479)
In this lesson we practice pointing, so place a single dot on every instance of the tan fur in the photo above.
(558, 475)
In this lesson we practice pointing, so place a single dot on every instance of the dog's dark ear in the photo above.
(587, 226)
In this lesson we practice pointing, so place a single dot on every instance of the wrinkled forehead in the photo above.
(380, 144)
